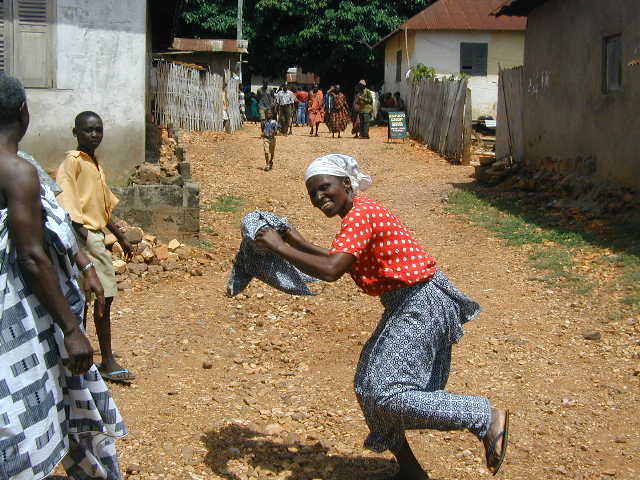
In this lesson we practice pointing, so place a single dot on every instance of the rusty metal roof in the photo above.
(460, 15)
(517, 7)
(208, 45)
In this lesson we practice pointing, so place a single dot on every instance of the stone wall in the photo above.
(161, 197)
(169, 211)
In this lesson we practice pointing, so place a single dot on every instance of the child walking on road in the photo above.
(89, 202)
(270, 129)
(404, 366)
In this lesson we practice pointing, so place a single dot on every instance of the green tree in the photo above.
(328, 37)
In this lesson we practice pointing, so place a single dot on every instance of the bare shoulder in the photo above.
(16, 174)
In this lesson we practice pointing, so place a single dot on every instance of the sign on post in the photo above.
(397, 125)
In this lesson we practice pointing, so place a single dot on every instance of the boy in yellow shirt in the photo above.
(89, 202)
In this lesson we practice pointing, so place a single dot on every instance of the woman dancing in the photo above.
(404, 366)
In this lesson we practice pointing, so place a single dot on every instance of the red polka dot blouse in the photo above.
(387, 255)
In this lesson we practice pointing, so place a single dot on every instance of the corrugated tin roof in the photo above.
(517, 7)
(207, 45)
(461, 15)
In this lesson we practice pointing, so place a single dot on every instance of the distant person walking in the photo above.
(316, 110)
(270, 129)
(339, 115)
(253, 115)
(285, 100)
(364, 106)
(265, 100)
(303, 98)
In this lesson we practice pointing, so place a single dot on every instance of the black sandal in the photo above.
(493, 463)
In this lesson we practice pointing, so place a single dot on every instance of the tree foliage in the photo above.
(328, 37)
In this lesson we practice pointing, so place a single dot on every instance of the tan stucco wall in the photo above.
(567, 117)
(506, 50)
(392, 45)
(100, 59)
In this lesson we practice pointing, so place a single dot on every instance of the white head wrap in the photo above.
(339, 165)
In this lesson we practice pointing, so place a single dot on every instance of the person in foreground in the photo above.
(89, 202)
(404, 366)
(54, 404)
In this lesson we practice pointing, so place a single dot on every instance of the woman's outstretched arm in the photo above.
(293, 237)
(315, 261)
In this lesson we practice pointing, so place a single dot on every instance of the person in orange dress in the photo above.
(316, 109)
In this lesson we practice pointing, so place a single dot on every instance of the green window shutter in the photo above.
(466, 58)
(473, 58)
(31, 28)
(480, 54)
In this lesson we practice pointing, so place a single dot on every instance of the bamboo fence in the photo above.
(233, 101)
(439, 116)
(189, 98)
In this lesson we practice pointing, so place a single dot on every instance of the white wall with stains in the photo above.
(441, 51)
(99, 50)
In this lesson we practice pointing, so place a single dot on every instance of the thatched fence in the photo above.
(193, 99)
(439, 115)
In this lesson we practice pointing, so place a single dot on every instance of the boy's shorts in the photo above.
(97, 252)
(269, 144)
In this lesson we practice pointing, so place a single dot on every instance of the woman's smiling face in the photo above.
(333, 195)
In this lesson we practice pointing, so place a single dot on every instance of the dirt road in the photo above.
(260, 386)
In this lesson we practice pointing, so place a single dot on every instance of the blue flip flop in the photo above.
(113, 376)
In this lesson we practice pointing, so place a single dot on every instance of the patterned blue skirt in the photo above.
(405, 365)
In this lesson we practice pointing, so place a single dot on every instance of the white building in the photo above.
(75, 55)
(456, 37)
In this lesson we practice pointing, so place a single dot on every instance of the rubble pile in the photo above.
(490, 170)
(581, 193)
(167, 170)
(152, 258)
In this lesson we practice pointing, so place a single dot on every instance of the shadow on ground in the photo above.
(282, 459)
(619, 232)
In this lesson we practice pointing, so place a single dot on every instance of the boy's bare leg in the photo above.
(103, 330)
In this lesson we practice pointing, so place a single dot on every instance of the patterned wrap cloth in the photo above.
(48, 415)
(404, 366)
(252, 261)
(339, 116)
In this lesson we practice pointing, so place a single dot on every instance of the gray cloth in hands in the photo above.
(253, 261)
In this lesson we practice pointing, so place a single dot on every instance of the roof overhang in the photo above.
(209, 45)
(517, 8)
(459, 16)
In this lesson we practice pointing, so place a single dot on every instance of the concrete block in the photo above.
(174, 180)
(155, 195)
(126, 195)
(191, 195)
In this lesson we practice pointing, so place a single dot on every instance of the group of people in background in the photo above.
(304, 106)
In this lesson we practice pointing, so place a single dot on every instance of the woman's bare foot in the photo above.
(495, 442)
